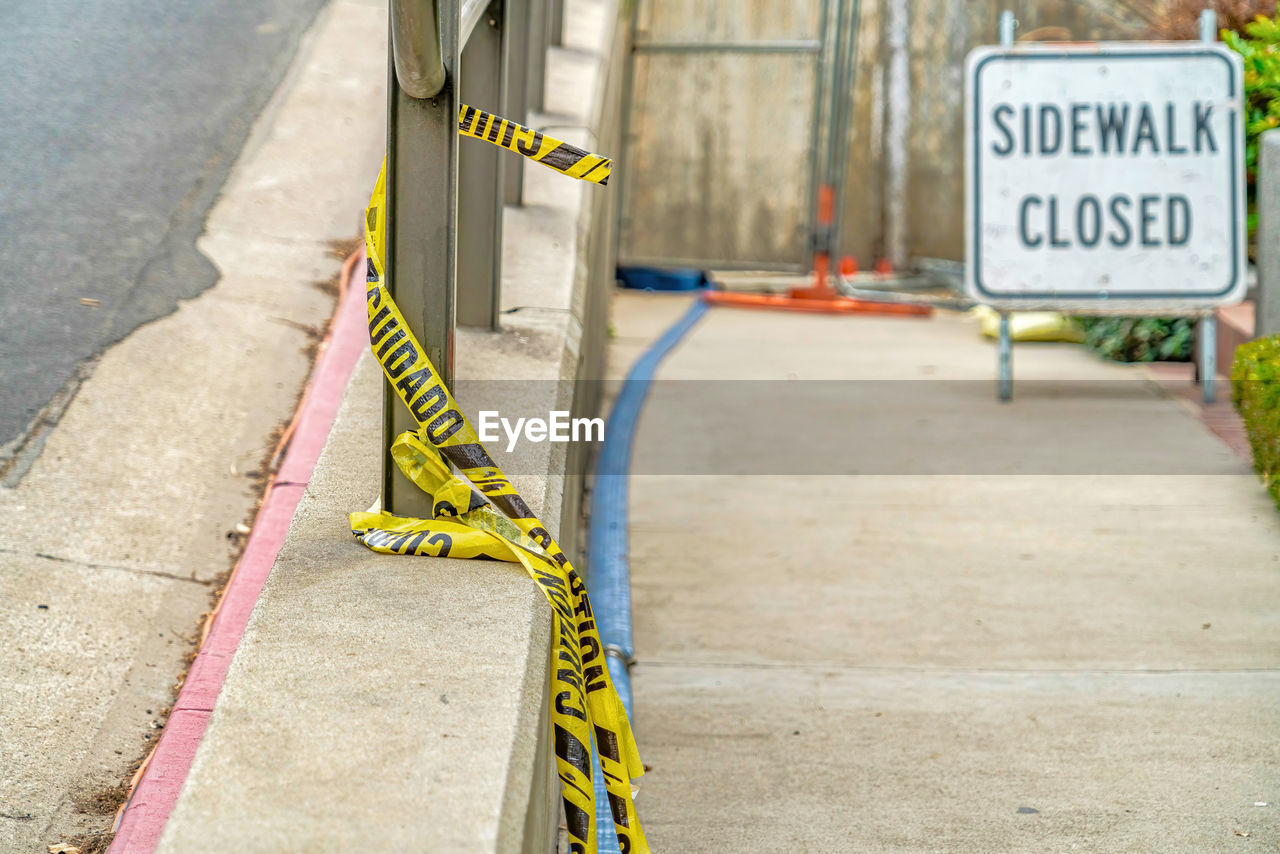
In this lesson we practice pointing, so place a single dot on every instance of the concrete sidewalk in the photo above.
(976, 645)
(118, 534)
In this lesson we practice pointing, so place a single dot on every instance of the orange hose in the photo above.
(839, 305)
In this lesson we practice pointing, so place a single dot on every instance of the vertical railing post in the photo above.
(480, 171)
(556, 16)
(422, 197)
(621, 212)
(535, 95)
(515, 22)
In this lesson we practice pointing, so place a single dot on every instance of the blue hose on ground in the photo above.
(608, 570)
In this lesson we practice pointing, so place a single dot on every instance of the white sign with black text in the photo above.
(1105, 176)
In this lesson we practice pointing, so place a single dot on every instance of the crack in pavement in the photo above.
(157, 573)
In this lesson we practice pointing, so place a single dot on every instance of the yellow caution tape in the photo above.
(584, 705)
(561, 156)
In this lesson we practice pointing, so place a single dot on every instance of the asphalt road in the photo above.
(119, 121)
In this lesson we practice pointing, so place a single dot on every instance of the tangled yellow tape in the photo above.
(584, 704)
(561, 156)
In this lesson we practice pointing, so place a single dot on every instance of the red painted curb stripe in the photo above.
(157, 792)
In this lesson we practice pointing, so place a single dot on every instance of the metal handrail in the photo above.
(472, 10)
(415, 44)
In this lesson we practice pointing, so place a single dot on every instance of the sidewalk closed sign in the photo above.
(1105, 176)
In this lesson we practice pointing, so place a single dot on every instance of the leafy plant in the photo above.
(1260, 50)
(1251, 28)
(1255, 386)
(1140, 339)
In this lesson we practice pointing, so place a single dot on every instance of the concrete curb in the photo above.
(157, 792)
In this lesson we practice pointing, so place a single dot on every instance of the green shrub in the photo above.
(1259, 47)
(1140, 339)
(1255, 387)
(1251, 29)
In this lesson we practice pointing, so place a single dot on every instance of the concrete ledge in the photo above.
(374, 702)
(387, 703)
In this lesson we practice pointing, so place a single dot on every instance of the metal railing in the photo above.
(490, 54)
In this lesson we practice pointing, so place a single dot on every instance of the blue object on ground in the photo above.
(608, 567)
(655, 279)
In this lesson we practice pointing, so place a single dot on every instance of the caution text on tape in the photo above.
(561, 156)
(585, 708)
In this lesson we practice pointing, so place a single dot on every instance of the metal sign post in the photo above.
(1004, 349)
(1105, 179)
(1207, 340)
